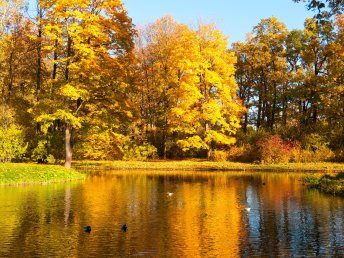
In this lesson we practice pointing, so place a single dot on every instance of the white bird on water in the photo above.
(169, 193)
(247, 209)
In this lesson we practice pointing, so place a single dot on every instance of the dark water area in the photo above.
(171, 214)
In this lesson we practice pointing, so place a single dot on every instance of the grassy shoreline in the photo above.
(203, 165)
(20, 173)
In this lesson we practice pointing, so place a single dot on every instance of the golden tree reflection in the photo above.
(203, 216)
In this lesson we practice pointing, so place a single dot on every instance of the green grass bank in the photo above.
(18, 173)
(203, 165)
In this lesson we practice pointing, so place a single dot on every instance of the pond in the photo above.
(171, 214)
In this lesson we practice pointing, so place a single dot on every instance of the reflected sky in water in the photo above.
(206, 215)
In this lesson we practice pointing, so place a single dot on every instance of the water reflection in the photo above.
(206, 216)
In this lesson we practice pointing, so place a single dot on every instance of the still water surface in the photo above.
(208, 215)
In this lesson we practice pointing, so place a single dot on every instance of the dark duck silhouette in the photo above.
(87, 229)
(124, 228)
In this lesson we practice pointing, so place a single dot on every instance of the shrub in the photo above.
(243, 153)
(40, 153)
(139, 152)
(272, 149)
(327, 183)
(12, 144)
(314, 142)
(295, 151)
(316, 156)
(312, 179)
(219, 155)
(56, 146)
(97, 144)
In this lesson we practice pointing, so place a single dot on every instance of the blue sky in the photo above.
(234, 18)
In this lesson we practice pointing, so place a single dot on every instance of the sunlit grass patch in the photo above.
(205, 165)
(17, 173)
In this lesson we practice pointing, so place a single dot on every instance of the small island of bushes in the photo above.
(331, 184)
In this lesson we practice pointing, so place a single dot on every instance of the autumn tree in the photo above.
(324, 8)
(244, 75)
(89, 41)
(315, 56)
(17, 73)
(11, 30)
(213, 119)
(333, 97)
(262, 69)
(299, 74)
(188, 91)
(160, 54)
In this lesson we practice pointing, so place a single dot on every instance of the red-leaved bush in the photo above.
(272, 149)
(266, 148)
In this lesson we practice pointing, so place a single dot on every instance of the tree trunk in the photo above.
(55, 59)
(39, 53)
(244, 126)
(39, 61)
(285, 104)
(273, 109)
(68, 137)
(10, 75)
(210, 150)
(209, 153)
(165, 139)
(315, 114)
(68, 143)
(259, 111)
(165, 150)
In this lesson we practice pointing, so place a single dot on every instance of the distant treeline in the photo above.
(80, 79)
